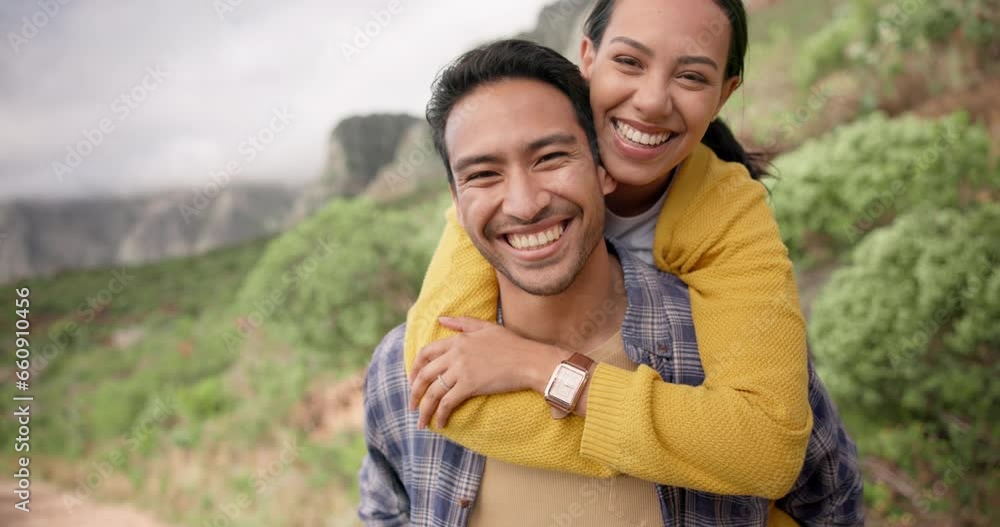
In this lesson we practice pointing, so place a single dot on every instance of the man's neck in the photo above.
(580, 318)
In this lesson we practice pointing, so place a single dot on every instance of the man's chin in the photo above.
(548, 284)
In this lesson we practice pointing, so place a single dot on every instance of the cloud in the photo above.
(224, 74)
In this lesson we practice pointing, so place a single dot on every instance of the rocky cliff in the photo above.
(381, 156)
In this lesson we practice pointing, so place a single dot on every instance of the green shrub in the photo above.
(341, 279)
(907, 339)
(204, 400)
(833, 190)
(827, 50)
(875, 37)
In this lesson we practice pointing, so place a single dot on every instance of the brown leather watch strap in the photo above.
(580, 361)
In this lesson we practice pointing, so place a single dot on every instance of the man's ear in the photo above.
(728, 88)
(608, 183)
(588, 53)
(454, 202)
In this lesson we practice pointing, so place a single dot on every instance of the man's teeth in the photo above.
(537, 240)
(642, 138)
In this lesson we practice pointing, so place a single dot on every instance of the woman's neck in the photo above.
(631, 200)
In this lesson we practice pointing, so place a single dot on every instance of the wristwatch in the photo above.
(566, 384)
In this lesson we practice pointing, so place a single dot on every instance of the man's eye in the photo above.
(552, 156)
(479, 175)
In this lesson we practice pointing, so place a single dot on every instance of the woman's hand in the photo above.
(483, 359)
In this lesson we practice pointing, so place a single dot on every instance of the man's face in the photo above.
(527, 189)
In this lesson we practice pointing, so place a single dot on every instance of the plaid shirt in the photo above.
(419, 477)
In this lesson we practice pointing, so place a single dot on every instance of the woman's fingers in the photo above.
(430, 400)
(427, 355)
(423, 381)
(452, 399)
(463, 324)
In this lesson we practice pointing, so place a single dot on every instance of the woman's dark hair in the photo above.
(501, 60)
(718, 137)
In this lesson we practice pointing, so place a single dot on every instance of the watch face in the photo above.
(565, 383)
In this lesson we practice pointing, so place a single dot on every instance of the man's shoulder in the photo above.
(386, 375)
(661, 287)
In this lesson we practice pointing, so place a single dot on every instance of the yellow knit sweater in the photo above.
(744, 431)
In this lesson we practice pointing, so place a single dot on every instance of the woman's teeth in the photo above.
(537, 240)
(627, 132)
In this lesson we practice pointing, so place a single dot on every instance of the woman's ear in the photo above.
(608, 183)
(588, 53)
(728, 88)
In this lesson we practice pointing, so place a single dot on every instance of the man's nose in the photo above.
(524, 198)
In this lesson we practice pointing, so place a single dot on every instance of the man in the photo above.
(520, 148)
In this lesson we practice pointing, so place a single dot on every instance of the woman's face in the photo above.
(656, 82)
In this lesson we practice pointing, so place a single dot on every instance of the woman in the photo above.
(659, 72)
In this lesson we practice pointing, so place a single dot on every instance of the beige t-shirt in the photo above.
(531, 497)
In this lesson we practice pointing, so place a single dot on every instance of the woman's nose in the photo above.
(652, 99)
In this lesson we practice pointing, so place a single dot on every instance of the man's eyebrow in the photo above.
(468, 161)
(635, 44)
(558, 138)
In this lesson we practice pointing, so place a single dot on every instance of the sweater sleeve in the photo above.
(747, 427)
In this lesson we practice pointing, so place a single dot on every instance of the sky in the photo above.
(114, 98)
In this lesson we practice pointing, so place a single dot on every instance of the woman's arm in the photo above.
(710, 437)
(460, 282)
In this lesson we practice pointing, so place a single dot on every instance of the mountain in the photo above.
(382, 156)
(42, 238)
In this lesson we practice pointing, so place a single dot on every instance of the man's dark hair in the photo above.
(502, 60)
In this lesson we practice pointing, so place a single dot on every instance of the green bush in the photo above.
(827, 50)
(875, 37)
(907, 339)
(342, 278)
(833, 190)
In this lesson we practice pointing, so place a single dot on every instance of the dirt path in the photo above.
(48, 510)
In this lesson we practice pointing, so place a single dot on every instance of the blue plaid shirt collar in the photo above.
(417, 477)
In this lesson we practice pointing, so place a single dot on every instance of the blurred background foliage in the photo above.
(884, 125)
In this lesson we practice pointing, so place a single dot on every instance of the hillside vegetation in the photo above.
(224, 389)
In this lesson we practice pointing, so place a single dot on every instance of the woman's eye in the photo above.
(695, 77)
(627, 61)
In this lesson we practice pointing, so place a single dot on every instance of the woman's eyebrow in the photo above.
(697, 59)
(635, 44)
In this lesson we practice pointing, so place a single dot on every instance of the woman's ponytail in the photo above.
(721, 140)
